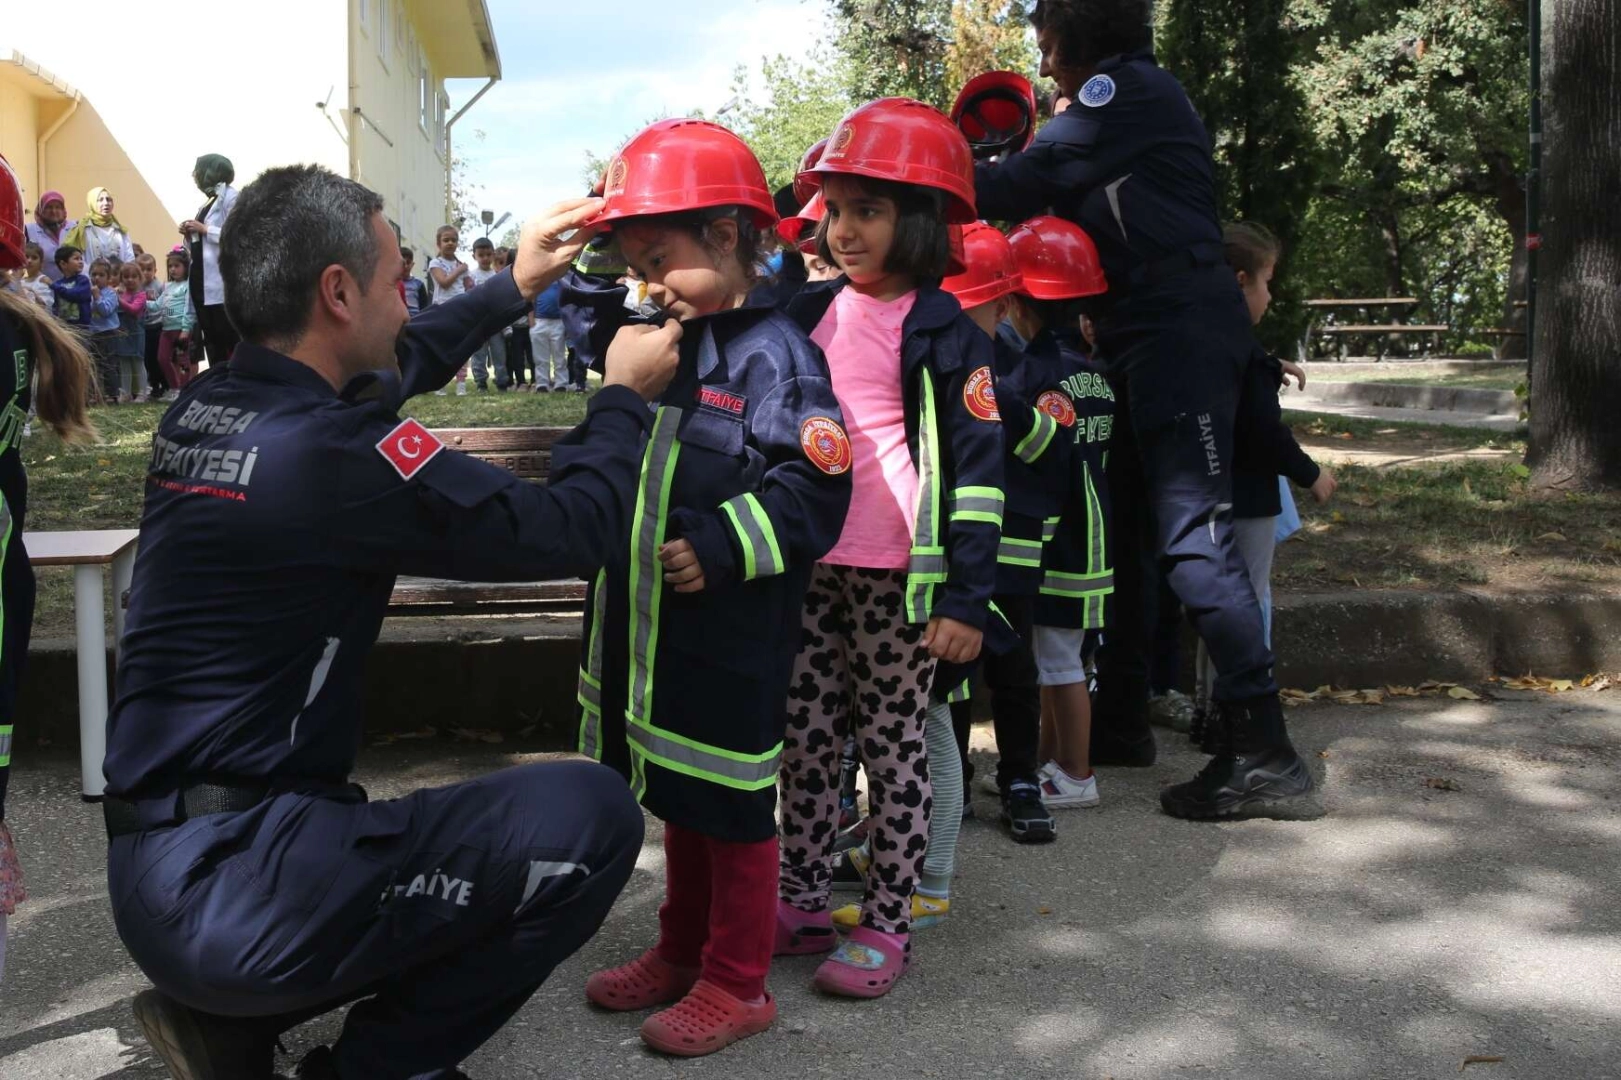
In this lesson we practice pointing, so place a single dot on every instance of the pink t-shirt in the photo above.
(862, 339)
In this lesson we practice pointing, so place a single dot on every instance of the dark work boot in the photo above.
(1199, 727)
(1254, 772)
(197, 1046)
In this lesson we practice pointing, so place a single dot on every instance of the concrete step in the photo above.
(1388, 395)
(512, 675)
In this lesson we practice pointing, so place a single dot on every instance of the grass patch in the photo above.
(104, 486)
(1448, 526)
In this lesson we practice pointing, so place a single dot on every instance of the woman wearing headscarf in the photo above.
(49, 228)
(212, 174)
(99, 234)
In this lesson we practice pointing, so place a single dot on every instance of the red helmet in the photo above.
(12, 234)
(677, 165)
(997, 112)
(991, 273)
(1056, 259)
(802, 190)
(904, 141)
(800, 230)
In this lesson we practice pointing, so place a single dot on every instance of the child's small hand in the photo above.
(1323, 490)
(952, 641)
(681, 567)
(1290, 368)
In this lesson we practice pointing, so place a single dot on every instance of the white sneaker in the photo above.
(1060, 790)
(461, 389)
(1046, 770)
(440, 393)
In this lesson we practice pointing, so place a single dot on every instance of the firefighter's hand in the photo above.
(643, 358)
(952, 641)
(681, 567)
(550, 242)
(1323, 490)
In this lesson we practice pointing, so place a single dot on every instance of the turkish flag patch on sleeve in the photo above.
(409, 447)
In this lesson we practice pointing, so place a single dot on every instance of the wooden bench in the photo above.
(525, 452)
(1363, 310)
(87, 551)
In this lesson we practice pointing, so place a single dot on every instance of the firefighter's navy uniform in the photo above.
(16, 573)
(1129, 161)
(1036, 422)
(748, 461)
(1077, 574)
(248, 877)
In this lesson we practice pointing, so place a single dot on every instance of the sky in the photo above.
(585, 76)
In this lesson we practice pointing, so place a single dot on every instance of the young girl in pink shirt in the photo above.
(909, 582)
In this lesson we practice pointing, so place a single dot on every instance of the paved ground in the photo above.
(1412, 928)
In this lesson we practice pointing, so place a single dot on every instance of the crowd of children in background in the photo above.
(531, 352)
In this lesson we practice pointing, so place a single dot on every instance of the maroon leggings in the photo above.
(720, 909)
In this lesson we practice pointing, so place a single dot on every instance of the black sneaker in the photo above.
(1027, 819)
(196, 1046)
(1271, 783)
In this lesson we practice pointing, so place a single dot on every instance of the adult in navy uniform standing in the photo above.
(1129, 161)
(250, 880)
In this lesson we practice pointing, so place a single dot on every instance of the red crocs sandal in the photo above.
(706, 1020)
(867, 964)
(646, 981)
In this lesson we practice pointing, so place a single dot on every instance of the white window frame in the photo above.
(401, 25)
(382, 32)
(363, 7)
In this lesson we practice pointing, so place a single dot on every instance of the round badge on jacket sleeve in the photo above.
(979, 395)
(1098, 91)
(826, 444)
(1058, 406)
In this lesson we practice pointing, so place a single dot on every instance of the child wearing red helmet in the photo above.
(692, 626)
(46, 347)
(909, 582)
(1060, 275)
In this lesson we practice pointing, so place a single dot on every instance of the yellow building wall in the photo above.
(388, 55)
(84, 154)
(19, 132)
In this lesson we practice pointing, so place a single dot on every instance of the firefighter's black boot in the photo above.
(1254, 772)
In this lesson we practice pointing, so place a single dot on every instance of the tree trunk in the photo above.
(1390, 231)
(1576, 377)
(1508, 195)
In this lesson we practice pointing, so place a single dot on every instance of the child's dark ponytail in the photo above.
(63, 366)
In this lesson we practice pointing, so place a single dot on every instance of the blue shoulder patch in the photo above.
(1098, 91)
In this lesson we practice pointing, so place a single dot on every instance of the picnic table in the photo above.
(87, 551)
(1361, 311)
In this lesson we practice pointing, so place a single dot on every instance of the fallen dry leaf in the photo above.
(420, 733)
(1597, 682)
(1387, 431)
(1537, 682)
(1322, 753)
(1442, 783)
(1481, 1059)
(1463, 693)
(1402, 691)
(1044, 911)
(1556, 537)
(1344, 435)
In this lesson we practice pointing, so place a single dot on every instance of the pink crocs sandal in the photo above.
(800, 933)
(866, 964)
(706, 1020)
(646, 981)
